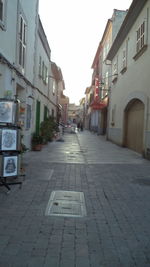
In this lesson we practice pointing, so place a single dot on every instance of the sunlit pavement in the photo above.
(115, 232)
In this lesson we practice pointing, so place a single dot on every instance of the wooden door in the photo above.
(135, 126)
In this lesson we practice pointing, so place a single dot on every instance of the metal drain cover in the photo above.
(66, 203)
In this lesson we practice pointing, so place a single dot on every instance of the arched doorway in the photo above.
(134, 125)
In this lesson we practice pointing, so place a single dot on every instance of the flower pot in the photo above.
(37, 147)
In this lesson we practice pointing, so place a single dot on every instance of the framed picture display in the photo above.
(7, 112)
(8, 139)
(10, 166)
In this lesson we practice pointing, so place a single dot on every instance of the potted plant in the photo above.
(36, 142)
(47, 129)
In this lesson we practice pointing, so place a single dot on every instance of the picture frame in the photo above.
(8, 139)
(7, 111)
(9, 165)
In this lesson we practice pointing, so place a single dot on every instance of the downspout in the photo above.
(34, 66)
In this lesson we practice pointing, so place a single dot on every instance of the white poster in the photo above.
(9, 139)
(6, 112)
(10, 166)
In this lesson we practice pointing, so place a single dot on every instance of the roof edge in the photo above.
(132, 14)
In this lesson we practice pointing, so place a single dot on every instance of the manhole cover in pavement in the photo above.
(66, 203)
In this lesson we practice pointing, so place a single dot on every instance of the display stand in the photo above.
(10, 144)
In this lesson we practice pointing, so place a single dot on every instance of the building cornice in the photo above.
(100, 44)
(43, 39)
(133, 12)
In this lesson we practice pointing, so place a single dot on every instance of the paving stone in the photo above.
(51, 261)
(115, 231)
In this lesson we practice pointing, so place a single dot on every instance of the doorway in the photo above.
(134, 125)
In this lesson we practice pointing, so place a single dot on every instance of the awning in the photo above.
(98, 105)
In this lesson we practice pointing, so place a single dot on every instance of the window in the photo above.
(3, 13)
(40, 66)
(141, 39)
(115, 67)
(140, 35)
(43, 69)
(46, 75)
(28, 118)
(101, 89)
(124, 59)
(104, 87)
(22, 43)
(54, 87)
(115, 70)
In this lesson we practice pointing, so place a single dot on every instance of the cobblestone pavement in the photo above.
(116, 185)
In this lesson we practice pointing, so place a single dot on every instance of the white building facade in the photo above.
(26, 70)
(17, 57)
(102, 73)
(129, 106)
(41, 79)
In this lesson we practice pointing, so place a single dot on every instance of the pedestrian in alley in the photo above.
(78, 126)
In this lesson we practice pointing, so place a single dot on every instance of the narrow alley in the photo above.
(103, 223)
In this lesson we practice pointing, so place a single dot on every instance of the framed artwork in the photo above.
(7, 112)
(9, 139)
(10, 166)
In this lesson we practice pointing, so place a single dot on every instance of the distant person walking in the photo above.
(78, 126)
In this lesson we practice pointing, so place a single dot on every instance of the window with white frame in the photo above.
(115, 67)
(3, 13)
(54, 87)
(115, 70)
(104, 87)
(40, 66)
(124, 59)
(46, 75)
(43, 70)
(28, 117)
(141, 37)
(22, 42)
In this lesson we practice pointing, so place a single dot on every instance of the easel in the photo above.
(6, 184)
(9, 158)
(5, 181)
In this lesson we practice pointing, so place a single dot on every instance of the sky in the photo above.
(74, 29)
